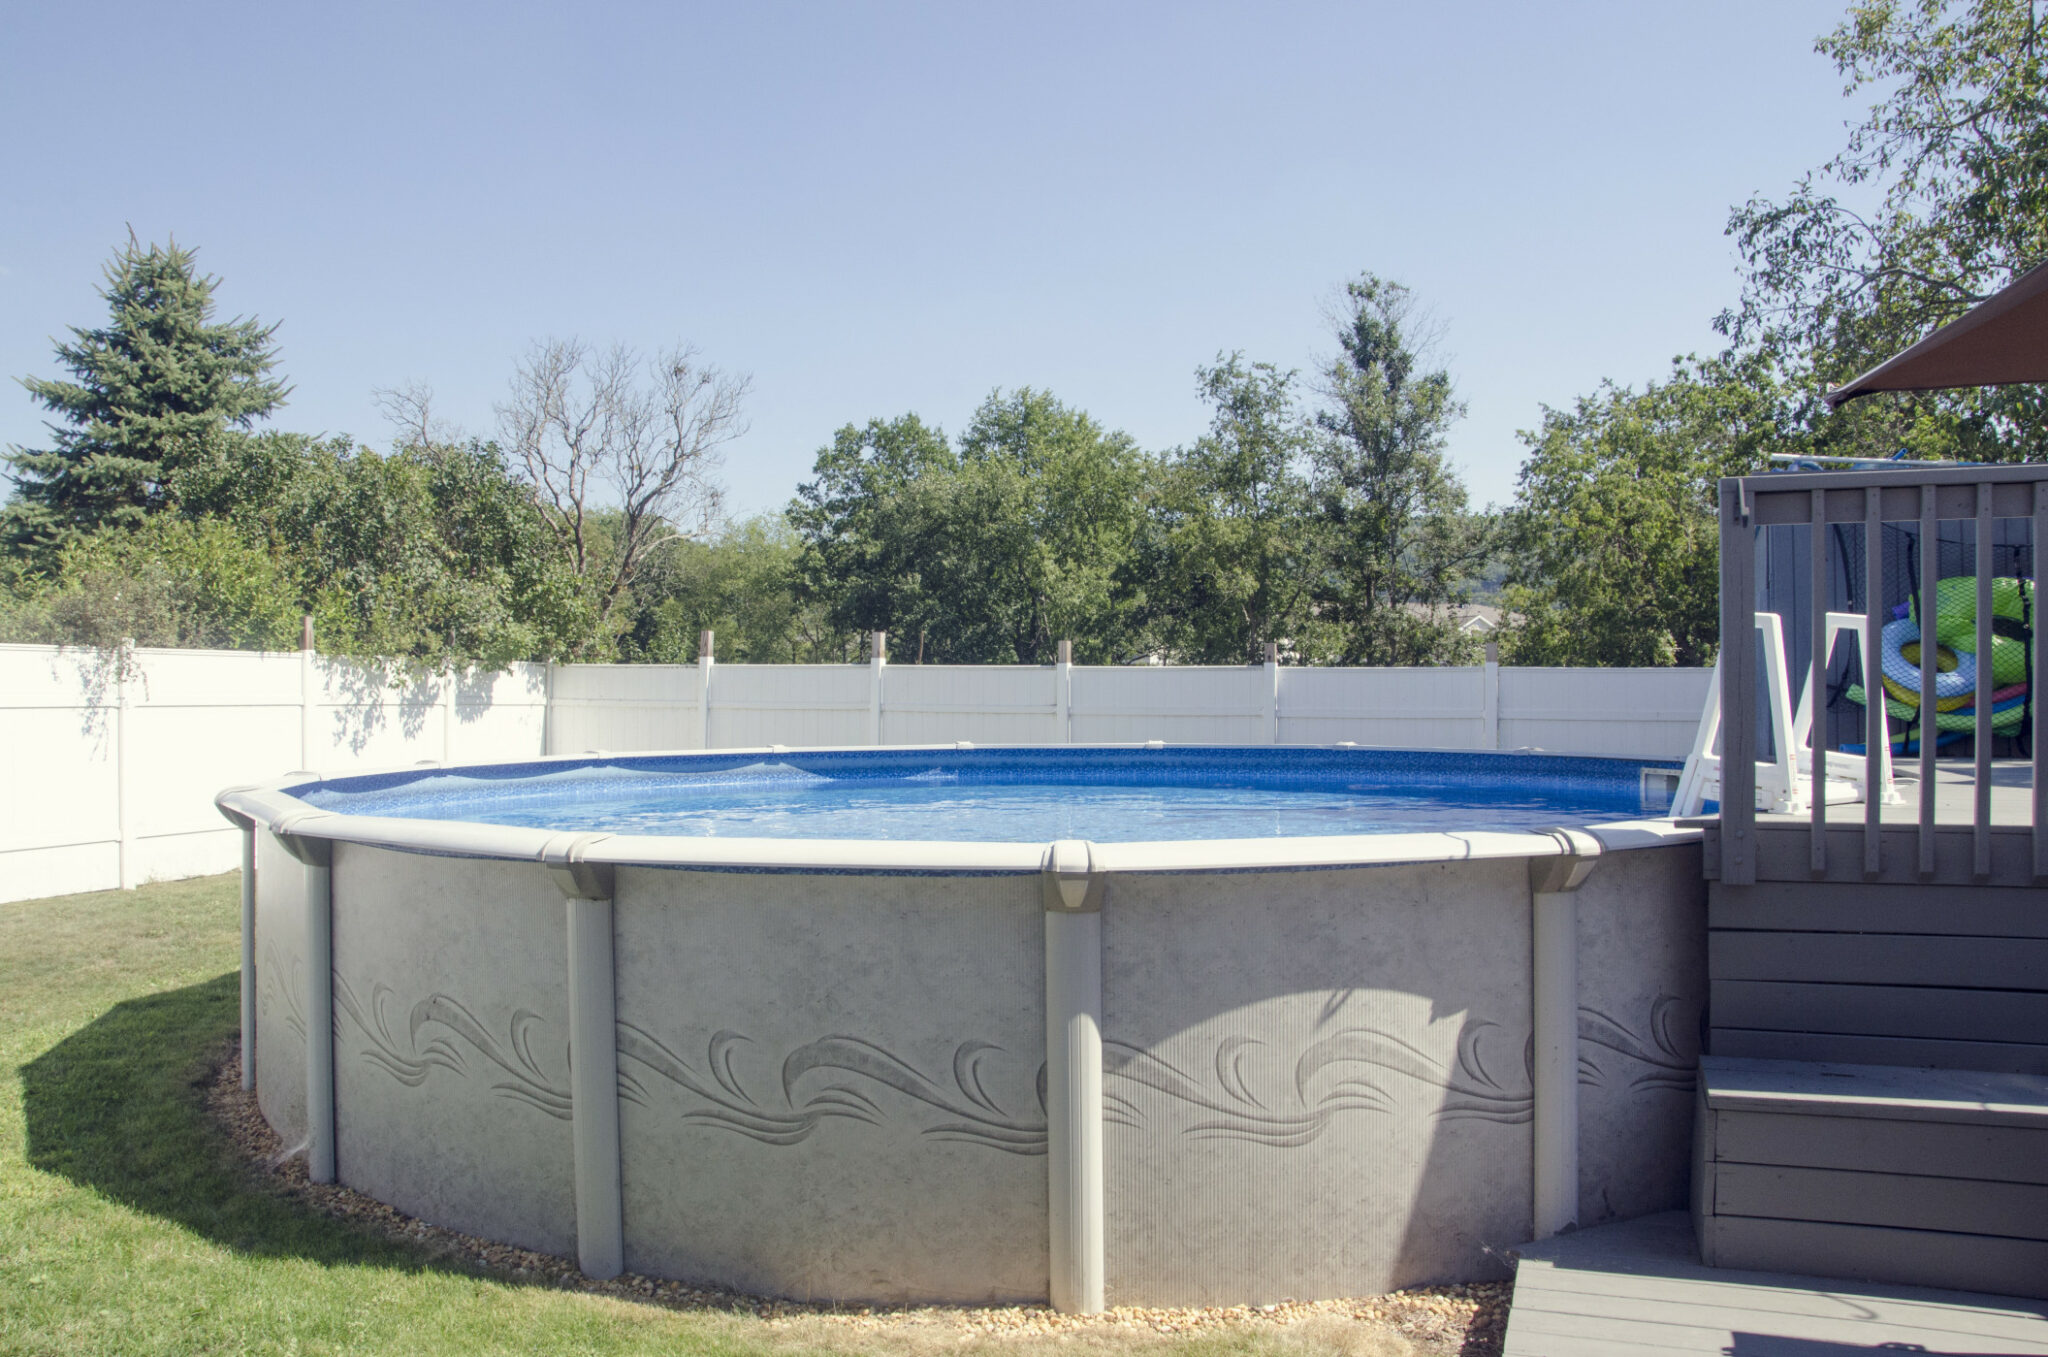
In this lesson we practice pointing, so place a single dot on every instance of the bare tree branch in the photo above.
(409, 409)
(612, 434)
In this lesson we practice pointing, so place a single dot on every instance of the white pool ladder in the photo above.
(1784, 784)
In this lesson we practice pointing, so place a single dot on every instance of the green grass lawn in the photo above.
(127, 1225)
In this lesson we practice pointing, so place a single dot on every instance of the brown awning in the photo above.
(2000, 341)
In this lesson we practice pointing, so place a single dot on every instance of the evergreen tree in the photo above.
(158, 388)
(1400, 541)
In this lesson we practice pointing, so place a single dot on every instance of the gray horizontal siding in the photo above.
(1784, 852)
(1921, 1148)
(1899, 1200)
(1966, 1262)
(1880, 959)
(1942, 911)
(1881, 1010)
(1852, 1049)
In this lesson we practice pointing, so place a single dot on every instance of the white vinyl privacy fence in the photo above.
(112, 766)
(1628, 713)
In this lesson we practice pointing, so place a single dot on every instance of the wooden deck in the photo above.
(1639, 1288)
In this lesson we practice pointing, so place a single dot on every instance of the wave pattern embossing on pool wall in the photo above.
(1669, 1061)
(1346, 1071)
(284, 993)
(409, 1060)
(1363, 1056)
(862, 1069)
(1354, 1053)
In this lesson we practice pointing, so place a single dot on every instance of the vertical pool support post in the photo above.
(1554, 999)
(248, 955)
(247, 826)
(1073, 1057)
(593, 1053)
(318, 857)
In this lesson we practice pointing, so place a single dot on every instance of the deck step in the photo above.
(1881, 1173)
(1880, 973)
(1638, 1287)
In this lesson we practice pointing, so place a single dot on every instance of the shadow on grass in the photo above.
(119, 1107)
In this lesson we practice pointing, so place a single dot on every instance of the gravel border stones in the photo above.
(1467, 1319)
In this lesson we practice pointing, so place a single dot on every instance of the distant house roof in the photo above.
(1477, 617)
(1481, 619)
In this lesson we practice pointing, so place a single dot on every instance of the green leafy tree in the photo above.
(1399, 541)
(435, 552)
(1232, 545)
(159, 387)
(988, 553)
(1939, 198)
(1614, 541)
(741, 584)
(874, 524)
(1044, 524)
(188, 583)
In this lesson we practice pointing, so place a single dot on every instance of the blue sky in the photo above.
(878, 208)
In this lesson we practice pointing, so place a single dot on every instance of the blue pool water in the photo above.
(1021, 795)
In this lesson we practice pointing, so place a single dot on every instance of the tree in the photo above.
(172, 581)
(1939, 198)
(1047, 513)
(158, 387)
(874, 523)
(435, 552)
(988, 554)
(1614, 538)
(1233, 540)
(1399, 540)
(609, 432)
(739, 583)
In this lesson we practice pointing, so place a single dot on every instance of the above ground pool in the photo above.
(1152, 1025)
(1109, 795)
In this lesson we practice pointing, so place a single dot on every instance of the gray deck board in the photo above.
(1904, 1201)
(1975, 1097)
(1859, 907)
(1880, 1010)
(1639, 1287)
(1854, 1049)
(1880, 959)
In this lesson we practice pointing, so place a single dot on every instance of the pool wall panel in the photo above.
(830, 1083)
(1315, 1081)
(1642, 988)
(280, 989)
(451, 1060)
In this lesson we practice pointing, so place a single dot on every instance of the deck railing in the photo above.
(1926, 496)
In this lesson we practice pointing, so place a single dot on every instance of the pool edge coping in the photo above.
(269, 805)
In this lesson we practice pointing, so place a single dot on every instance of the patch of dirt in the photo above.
(1465, 1319)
